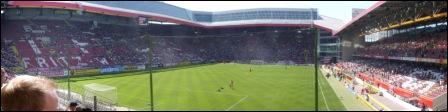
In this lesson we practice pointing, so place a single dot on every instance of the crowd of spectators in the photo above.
(124, 45)
(8, 57)
(258, 46)
(417, 78)
(422, 43)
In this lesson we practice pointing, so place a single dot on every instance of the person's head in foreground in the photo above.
(29, 93)
(72, 106)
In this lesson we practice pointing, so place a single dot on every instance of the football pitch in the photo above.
(195, 88)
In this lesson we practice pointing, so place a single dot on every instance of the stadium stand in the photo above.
(110, 45)
(421, 80)
(426, 43)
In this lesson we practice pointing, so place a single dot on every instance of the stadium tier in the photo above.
(429, 43)
(390, 56)
(109, 45)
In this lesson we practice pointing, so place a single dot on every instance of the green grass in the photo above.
(195, 88)
(341, 98)
(325, 92)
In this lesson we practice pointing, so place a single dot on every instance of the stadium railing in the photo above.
(79, 95)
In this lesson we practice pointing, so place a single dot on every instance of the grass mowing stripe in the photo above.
(326, 104)
(269, 88)
(343, 98)
(237, 103)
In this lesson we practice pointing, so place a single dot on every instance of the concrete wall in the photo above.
(12, 14)
(349, 44)
(398, 101)
(78, 17)
(47, 12)
(65, 14)
(29, 13)
(132, 21)
(440, 102)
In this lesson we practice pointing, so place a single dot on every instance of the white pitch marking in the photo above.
(237, 103)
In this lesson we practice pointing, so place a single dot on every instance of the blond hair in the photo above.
(26, 93)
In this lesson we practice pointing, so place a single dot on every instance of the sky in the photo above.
(336, 9)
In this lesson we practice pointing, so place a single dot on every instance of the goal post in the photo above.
(257, 62)
(108, 92)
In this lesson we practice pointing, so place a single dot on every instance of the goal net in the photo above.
(257, 62)
(105, 91)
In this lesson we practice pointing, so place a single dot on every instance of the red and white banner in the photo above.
(428, 60)
(34, 46)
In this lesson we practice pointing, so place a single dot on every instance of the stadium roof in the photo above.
(158, 11)
(392, 14)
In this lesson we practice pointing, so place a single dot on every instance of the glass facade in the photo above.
(147, 6)
(329, 46)
(202, 17)
(252, 15)
(329, 41)
(209, 17)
